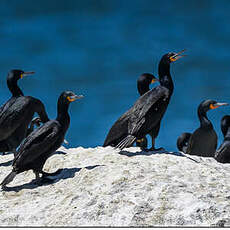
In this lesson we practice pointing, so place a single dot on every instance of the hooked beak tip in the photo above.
(28, 73)
(79, 96)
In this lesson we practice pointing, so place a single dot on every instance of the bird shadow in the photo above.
(60, 152)
(149, 153)
(65, 173)
(8, 163)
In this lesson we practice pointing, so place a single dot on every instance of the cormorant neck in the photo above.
(142, 88)
(62, 114)
(165, 76)
(13, 87)
(204, 121)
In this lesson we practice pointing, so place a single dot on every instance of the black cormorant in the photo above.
(17, 113)
(43, 142)
(222, 155)
(146, 114)
(203, 141)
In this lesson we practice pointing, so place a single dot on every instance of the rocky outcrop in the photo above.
(102, 187)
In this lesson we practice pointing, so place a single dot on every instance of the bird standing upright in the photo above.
(43, 142)
(145, 115)
(203, 141)
(17, 113)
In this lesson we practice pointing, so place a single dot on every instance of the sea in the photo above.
(99, 48)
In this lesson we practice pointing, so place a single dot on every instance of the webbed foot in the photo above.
(158, 149)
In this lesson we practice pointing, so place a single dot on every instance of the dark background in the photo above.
(99, 48)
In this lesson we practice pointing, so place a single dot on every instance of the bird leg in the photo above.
(41, 180)
(38, 178)
(142, 143)
(153, 145)
(45, 175)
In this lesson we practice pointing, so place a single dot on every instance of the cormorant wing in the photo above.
(119, 129)
(142, 106)
(132, 119)
(6, 106)
(38, 142)
(12, 116)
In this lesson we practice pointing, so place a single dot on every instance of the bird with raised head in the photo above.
(203, 141)
(145, 115)
(17, 113)
(43, 142)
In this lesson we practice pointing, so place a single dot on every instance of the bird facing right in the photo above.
(43, 142)
(17, 113)
(203, 141)
(145, 116)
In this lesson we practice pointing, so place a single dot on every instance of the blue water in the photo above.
(99, 48)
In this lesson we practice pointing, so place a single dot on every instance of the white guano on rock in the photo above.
(100, 187)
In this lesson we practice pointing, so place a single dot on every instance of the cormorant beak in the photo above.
(217, 105)
(27, 73)
(177, 55)
(74, 97)
(154, 80)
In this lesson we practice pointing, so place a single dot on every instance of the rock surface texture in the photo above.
(100, 187)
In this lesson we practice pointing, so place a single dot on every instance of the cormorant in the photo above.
(146, 114)
(222, 155)
(43, 142)
(143, 84)
(17, 113)
(203, 141)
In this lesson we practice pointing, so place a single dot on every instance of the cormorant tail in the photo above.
(182, 141)
(9, 178)
(126, 142)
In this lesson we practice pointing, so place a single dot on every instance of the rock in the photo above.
(102, 187)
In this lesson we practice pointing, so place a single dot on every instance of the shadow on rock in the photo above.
(8, 163)
(60, 152)
(149, 153)
(64, 174)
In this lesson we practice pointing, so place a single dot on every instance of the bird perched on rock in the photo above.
(203, 141)
(222, 155)
(17, 113)
(145, 115)
(43, 142)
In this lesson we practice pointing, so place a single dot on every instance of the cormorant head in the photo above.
(210, 104)
(17, 74)
(144, 81)
(147, 79)
(171, 57)
(68, 96)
